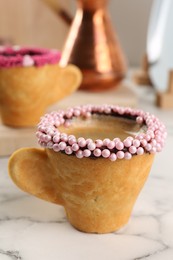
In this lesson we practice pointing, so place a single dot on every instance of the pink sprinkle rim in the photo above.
(150, 142)
(16, 56)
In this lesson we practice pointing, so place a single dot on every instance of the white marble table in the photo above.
(31, 229)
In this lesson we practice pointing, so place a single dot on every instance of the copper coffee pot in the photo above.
(92, 44)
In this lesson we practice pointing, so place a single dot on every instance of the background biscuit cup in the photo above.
(26, 92)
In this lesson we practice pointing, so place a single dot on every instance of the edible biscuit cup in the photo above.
(94, 162)
(30, 81)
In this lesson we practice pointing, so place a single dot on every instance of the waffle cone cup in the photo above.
(98, 195)
(26, 92)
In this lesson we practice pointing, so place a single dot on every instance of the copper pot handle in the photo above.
(56, 7)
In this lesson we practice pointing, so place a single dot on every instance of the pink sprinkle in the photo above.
(27, 61)
(87, 114)
(57, 123)
(69, 114)
(56, 138)
(38, 134)
(62, 146)
(162, 142)
(47, 138)
(97, 152)
(106, 153)
(86, 153)
(116, 140)
(140, 151)
(127, 156)
(89, 140)
(148, 147)
(132, 149)
(128, 110)
(140, 136)
(62, 121)
(133, 113)
(71, 140)
(42, 136)
(91, 146)
(79, 154)
(99, 143)
(50, 132)
(43, 144)
(130, 137)
(81, 142)
(136, 143)
(106, 141)
(68, 150)
(50, 145)
(67, 123)
(64, 137)
(157, 132)
(83, 111)
(107, 110)
(113, 157)
(120, 155)
(147, 137)
(89, 107)
(56, 148)
(158, 147)
(153, 142)
(80, 139)
(127, 142)
(121, 111)
(158, 138)
(111, 145)
(75, 147)
(71, 136)
(119, 145)
(153, 150)
(150, 133)
(144, 142)
(100, 109)
(41, 128)
(76, 112)
(149, 122)
(139, 120)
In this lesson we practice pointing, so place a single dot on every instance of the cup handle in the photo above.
(68, 80)
(30, 170)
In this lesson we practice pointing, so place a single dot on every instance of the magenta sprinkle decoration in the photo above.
(17, 56)
(151, 141)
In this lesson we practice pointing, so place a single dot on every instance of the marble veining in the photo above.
(32, 229)
(11, 254)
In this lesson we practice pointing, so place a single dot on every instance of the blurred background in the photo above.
(31, 22)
